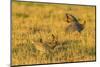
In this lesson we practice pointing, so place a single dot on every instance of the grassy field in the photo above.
(33, 25)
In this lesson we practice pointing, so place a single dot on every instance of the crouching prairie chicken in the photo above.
(74, 23)
(42, 47)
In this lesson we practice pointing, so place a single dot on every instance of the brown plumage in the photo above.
(74, 23)
(54, 41)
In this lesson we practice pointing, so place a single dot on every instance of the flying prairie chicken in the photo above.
(74, 23)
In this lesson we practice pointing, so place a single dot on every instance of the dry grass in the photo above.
(32, 22)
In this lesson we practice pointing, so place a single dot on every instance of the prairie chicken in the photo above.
(39, 46)
(74, 23)
(42, 46)
(54, 41)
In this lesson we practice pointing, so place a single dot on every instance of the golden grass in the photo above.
(34, 21)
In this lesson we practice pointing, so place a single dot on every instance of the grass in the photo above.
(32, 22)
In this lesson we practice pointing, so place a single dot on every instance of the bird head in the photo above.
(69, 18)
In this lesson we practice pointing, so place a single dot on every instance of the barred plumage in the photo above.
(74, 24)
